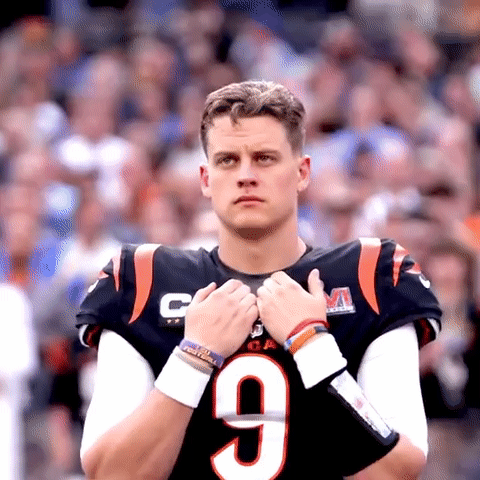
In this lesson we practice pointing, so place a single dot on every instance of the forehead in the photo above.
(253, 133)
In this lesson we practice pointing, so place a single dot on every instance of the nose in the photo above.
(246, 175)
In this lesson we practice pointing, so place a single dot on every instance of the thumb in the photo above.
(315, 285)
(203, 293)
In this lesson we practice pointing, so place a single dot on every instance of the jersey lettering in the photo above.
(271, 421)
(174, 305)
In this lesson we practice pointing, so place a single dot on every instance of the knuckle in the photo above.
(245, 290)
(251, 298)
(293, 287)
(231, 301)
(232, 282)
(283, 291)
(265, 304)
(216, 294)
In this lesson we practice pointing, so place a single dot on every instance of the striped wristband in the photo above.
(293, 344)
(306, 323)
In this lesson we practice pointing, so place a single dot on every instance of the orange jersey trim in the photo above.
(415, 269)
(116, 271)
(367, 264)
(143, 264)
(398, 257)
(102, 275)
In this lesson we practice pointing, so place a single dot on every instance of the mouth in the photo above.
(248, 199)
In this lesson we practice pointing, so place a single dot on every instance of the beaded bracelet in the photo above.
(203, 353)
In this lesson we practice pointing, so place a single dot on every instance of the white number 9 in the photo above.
(272, 421)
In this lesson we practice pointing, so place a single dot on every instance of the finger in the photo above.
(270, 285)
(230, 286)
(315, 284)
(241, 292)
(247, 301)
(262, 291)
(203, 293)
(251, 314)
(260, 300)
(281, 278)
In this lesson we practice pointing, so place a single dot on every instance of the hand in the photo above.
(220, 319)
(283, 303)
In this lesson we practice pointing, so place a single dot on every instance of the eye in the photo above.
(226, 161)
(265, 158)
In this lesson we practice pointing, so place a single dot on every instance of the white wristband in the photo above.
(182, 382)
(319, 359)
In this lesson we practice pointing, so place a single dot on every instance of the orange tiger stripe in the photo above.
(143, 264)
(415, 269)
(102, 274)
(367, 264)
(398, 257)
(116, 270)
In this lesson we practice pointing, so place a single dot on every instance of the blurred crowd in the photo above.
(99, 145)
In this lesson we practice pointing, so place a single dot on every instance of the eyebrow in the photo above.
(223, 154)
(262, 151)
(267, 151)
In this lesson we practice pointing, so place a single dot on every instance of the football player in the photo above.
(264, 358)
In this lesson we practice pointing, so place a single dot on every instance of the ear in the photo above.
(304, 171)
(204, 181)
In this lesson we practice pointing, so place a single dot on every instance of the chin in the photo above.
(248, 220)
(253, 233)
(252, 230)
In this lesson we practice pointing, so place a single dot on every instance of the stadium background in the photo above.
(99, 116)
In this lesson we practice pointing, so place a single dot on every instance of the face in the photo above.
(448, 271)
(253, 176)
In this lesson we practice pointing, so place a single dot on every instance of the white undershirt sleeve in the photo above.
(123, 380)
(389, 376)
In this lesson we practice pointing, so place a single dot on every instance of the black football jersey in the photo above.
(256, 420)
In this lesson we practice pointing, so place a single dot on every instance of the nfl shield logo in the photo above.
(257, 329)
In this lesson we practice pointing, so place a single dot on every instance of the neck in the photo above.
(258, 252)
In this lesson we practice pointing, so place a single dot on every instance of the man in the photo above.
(17, 363)
(285, 403)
